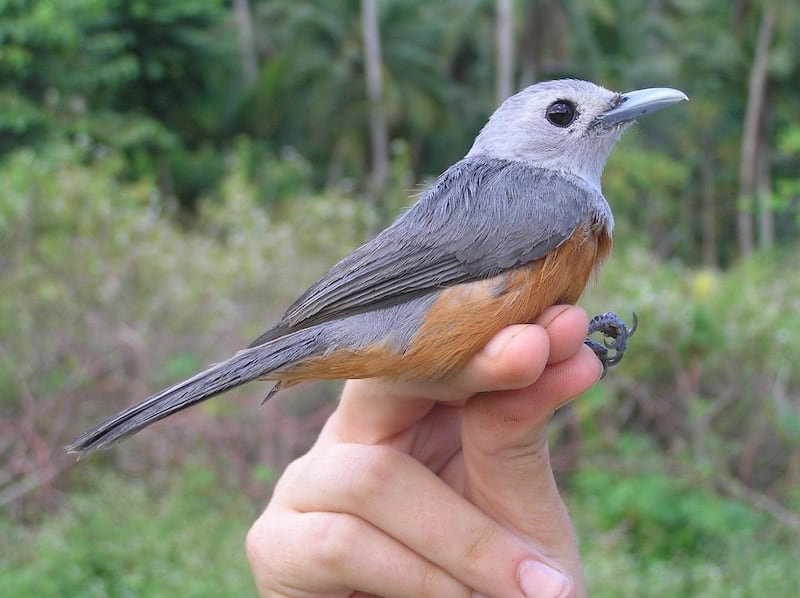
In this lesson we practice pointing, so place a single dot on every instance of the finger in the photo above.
(404, 499)
(372, 411)
(566, 328)
(523, 412)
(507, 461)
(512, 359)
(347, 554)
(375, 409)
(563, 381)
(507, 427)
(432, 438)
(517, 356)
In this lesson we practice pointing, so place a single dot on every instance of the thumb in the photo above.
(505, 449)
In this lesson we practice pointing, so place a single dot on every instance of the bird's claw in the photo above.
(615, 335)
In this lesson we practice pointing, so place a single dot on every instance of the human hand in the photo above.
(436, 489)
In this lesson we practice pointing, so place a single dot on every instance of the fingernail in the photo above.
(600, 369)
(537, 580)
(601, 373)
(496, 346)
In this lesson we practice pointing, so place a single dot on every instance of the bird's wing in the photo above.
(482, 217)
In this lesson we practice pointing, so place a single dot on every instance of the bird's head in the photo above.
(566, 125)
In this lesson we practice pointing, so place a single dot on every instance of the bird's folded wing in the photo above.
(482, 217)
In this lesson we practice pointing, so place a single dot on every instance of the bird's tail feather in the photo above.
(245, 366)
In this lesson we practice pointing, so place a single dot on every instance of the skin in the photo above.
(436, 488)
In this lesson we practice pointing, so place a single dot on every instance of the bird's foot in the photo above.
(615, 334)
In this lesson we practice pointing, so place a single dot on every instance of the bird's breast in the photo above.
(465, 317)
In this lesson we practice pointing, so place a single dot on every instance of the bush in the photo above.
(125, 538)
(106, 299)
(709, 375)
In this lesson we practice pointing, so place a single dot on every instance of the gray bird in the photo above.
(519, 224)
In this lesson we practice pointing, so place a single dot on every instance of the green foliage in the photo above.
(161, 82)
(313, 84)
(710, 368)
(124, 538)
(172, 62)
(645, 188)
(275, 179)
(33, 36)
(113, 113)
(648, 531)
(664, 517)
(787, 186)
(758, 567)
(145, 77)
(91, 269)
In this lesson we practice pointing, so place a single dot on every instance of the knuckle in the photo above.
(292, 474)
(480, 543)
(431, 581)
(371, 471)
(434, 582)
(257, 542)
(252, 545)
(262, 557)
(281, 558)
(336, 535)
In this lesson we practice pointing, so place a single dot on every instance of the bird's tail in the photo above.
(247, 365)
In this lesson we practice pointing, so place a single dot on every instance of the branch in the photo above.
(760, 502)
(35, 480)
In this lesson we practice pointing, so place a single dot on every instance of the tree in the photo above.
(247, 48)
(35, 90)
(379, 142)
(751, 173)
(435, 67)
(504, 39)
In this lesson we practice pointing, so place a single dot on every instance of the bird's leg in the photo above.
(615, 334)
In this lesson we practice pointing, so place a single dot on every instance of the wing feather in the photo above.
(480, 218)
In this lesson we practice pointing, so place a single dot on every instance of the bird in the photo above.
(517, 225)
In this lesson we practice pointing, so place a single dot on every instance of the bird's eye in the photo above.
(561, 113)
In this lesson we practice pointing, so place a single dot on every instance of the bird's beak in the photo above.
(637, 103)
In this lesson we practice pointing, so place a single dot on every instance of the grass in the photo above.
(120, 536)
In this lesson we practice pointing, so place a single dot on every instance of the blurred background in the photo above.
(173, 174)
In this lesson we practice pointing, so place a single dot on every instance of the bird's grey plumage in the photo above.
(243, 367)
(359, 330)
(523, 189)
(518, 130)
(483, 216)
